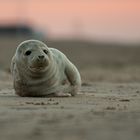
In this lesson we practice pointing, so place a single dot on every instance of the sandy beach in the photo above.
(107, 106)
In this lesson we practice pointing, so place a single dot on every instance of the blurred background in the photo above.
(102, 38)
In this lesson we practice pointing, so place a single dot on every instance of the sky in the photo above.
(103, 20)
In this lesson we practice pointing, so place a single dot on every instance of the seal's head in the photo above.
(33, 56)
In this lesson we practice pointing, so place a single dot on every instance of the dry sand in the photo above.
(107, 106)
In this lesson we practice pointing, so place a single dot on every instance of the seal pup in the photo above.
(38, 70)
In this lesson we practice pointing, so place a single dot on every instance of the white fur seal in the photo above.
(41, 71)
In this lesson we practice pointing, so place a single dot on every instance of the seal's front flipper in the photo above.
(59, 95)
(73, 76)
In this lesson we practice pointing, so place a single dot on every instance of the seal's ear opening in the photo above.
(20, 48)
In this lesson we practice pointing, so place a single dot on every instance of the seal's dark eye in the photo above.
(45, 51)
(27, 53)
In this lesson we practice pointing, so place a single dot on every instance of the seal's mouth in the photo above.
(38, 68)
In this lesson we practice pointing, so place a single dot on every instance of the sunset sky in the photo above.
(110, 20)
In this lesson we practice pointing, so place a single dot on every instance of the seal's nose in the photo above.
(41, 57)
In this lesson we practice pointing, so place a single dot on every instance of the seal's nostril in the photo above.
(41, 56)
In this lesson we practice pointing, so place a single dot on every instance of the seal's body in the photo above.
(41, 71)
